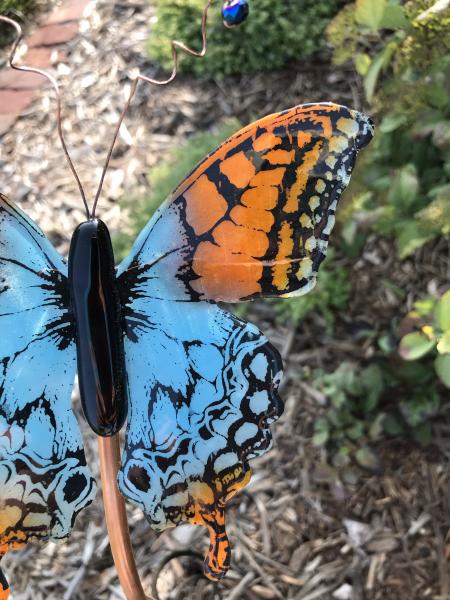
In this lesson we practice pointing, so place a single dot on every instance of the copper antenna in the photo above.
(175, 47)
(55, 86)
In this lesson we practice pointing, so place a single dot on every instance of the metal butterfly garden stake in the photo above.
(196, 385)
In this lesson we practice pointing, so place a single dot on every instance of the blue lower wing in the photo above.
(44, 480)
(202, 389)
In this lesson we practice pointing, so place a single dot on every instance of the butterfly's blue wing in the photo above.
(202, 389)
(44, 480)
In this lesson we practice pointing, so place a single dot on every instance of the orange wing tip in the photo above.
(209, 511)
(8, 542)
(218, 558)
(4, 593)
(4, 587)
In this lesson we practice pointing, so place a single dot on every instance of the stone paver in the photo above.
(39, 57)
(15, 101)
(5, 122)
(52, 35)
(16, 80)
(17, 90)
(72, 10)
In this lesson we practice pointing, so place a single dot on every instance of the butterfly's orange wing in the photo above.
(254, 217)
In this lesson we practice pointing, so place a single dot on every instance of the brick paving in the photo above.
(18, 90)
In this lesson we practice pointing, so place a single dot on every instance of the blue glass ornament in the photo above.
(234, 12)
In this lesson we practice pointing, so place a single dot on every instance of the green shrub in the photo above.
(386, 398)
(165, 177)
(397, 394)
(274, 33)
(353, 418)
(402, 186)
(19, 10)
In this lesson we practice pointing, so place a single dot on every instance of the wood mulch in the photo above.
(299, 531)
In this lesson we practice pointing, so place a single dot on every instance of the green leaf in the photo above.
(437, 95)
(321, 424)
(441, 134)
(391, 122)
(368, 459)
(341, 458)
(415, 345)
(394, 288)
(373, 384)
(442, 367)
(370, 80)
(443, 345)
(411, 237)
(376, 427)
(423, 434)
(353, 239)
(421, 407)
(370, 13)
(425, 306)
(372, 379)
(338, 399)
(394, 18)
(320, 438)
(393, 425)
(404, 187)
(413, 374)
(443, 311)
(379, 62)
(362, 63)
(386, 344)
(356, 430)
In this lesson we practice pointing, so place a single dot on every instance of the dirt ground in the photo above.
(299, 531)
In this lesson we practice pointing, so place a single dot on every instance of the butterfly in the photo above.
(197, 385)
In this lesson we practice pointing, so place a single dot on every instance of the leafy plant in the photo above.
(351, 420)
(16, 9)
(386, 398)
(397, 394)
(165, 177)
(274, 33)
(402, 187)
(411, 399)
(430, 324)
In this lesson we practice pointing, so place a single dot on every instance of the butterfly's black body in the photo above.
(96, 309)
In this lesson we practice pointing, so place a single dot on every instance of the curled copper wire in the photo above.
(55, 86)
(175, 45)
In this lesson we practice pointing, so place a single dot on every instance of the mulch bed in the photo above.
(299, 530)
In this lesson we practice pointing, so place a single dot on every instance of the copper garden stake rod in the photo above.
(116, 519)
